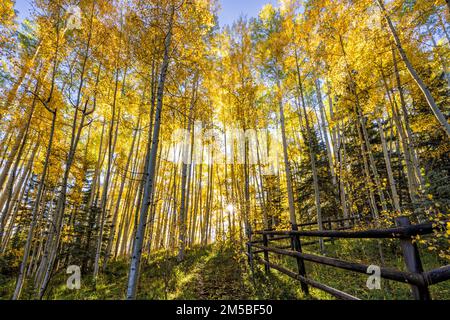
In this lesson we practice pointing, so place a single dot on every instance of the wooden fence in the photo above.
(404, 232)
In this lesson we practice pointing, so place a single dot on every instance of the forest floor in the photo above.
(221, 272)
(212, 273)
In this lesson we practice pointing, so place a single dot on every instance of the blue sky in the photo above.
(230, 9)
(23, 7)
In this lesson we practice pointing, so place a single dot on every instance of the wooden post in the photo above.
(296, 245)
(412, 261)
(329, 224)
(330, 227)
(266, 253)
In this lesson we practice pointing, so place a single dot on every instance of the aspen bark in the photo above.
(387, 160)
(184, 171)
(149, 176)
(426, 92)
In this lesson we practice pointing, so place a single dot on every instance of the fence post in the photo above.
(296, 245)
(266, 253)
(412, 260)
(330, 227)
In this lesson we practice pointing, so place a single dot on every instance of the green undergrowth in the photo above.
(222, 272)
(213, 273)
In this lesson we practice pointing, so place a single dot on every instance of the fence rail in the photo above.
(404, 232)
